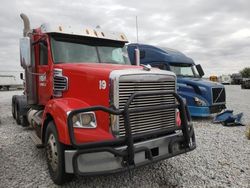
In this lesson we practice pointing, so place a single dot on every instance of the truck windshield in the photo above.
(65, 50)
(184, 70)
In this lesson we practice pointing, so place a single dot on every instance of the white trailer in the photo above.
(7, 81)
(225, 79)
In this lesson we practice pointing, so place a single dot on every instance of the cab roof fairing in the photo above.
(83, 31)
(166, 54)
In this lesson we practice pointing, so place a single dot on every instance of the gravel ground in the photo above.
(222, 157)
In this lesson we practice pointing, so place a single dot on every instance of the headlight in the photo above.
(199, 102)
(84, 120)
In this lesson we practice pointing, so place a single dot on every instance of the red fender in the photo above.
(59, 108)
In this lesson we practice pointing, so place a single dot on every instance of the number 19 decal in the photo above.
(102, 84)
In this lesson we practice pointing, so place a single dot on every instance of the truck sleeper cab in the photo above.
(91, 109)
(203, 97)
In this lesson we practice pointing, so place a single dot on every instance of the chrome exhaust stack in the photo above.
(26, 24)
(30, 79)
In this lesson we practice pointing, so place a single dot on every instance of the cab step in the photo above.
(37, 141)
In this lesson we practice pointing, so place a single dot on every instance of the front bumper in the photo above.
(200, 111)
(107, 163)
(131, 150)
(205, 111)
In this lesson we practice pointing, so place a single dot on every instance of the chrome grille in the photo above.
(142, 122)
(60, 83)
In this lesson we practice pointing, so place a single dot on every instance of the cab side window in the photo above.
(43, 59)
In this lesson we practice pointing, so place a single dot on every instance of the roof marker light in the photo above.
(60, 28)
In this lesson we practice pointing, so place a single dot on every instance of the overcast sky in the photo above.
(215, 33)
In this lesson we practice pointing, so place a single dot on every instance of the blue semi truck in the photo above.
(203, 97)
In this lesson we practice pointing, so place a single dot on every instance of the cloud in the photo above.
(214, 33)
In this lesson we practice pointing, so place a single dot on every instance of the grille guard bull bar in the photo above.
(128, 139)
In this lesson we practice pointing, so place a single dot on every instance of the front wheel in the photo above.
(55, 155)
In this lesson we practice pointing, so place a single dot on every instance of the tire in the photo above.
(24, 121)
(13, 106)
(17, 115)
(20, 110)
(55, 155)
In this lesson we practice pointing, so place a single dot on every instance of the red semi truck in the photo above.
(92, 111)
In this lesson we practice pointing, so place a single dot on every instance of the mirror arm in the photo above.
(37, 74)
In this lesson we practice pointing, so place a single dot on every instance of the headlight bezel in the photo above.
(81, 117)
(199, 102)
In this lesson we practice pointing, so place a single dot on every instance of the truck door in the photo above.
(45, 84)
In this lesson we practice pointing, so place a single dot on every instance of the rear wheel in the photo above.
(55, 155)
(13, 106)
(17, 115)
(24, 121)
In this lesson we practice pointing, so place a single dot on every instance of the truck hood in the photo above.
(91, 83)
(196, 87)
(84, 81)
(198, 82)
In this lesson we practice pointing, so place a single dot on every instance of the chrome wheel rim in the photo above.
(52, 152)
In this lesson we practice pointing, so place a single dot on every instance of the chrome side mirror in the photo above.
(25, 52)
(200, 70)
